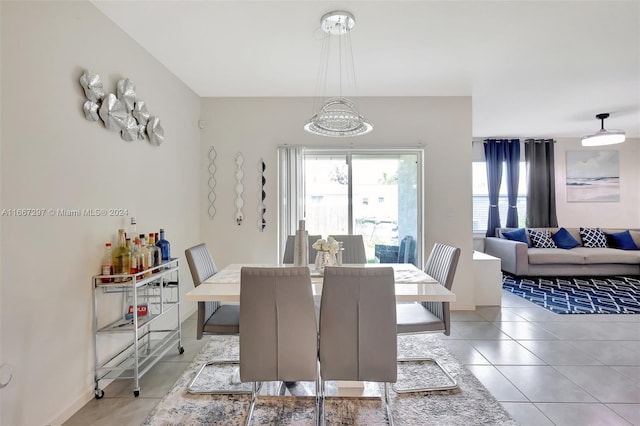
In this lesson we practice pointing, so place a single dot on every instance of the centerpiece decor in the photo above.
(326, 253)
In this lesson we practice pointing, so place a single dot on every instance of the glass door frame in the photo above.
(348, 153)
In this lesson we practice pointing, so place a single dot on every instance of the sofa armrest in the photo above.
(513, 254)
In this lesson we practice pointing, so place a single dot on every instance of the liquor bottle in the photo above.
(133, 232)
(156, 255)
(121, 257)
(107, 263)
(145, 255)
(137, 253)
(165, 247)
(133, 265)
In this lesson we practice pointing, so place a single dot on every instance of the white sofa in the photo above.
(519, 259)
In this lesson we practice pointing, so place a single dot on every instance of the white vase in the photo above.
(323, 259)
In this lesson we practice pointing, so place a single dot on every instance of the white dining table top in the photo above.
(412, 284)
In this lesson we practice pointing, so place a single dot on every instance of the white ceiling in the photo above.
(533, 68)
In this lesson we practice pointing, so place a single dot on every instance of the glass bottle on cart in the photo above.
(121, 257)
(165, 247)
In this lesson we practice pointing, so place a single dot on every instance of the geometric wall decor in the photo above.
(262, 208)
(239, 188)
(212, 181)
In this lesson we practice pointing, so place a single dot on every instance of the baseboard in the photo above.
(80, 402)
(463, 306)
(87, 396)
(185, 314)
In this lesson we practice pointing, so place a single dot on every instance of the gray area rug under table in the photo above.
(471, 404)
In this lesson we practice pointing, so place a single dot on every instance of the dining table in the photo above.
(411, 284)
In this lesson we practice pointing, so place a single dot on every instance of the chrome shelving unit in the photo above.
(157, 287)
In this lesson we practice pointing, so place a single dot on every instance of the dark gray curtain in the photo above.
(494, 157)
(512, 163)
(541, 181)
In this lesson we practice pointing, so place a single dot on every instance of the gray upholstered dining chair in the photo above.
(278, 329)
(213, 317)
(353, 248)
(358, 338)
(287, 258)
(430, 317)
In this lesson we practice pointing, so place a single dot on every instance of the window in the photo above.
(481, 197)
(374, 193)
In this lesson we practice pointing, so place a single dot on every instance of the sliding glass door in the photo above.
(375, 193)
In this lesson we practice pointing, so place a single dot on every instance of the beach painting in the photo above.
(593, 176)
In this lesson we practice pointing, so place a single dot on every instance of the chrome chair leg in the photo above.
(255, 390)
(192, 389)
(322, 398)
(453, 383)
(387, 404)
(317, 408)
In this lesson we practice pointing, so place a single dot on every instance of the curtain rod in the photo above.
(539, 140)
(509, 140)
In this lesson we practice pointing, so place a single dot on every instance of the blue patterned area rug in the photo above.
(579, 295)
(472, 404)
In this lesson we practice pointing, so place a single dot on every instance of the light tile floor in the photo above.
(550, 369)
(545, 369)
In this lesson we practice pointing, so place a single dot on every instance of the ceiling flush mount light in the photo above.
(603, 137)
(337, 116)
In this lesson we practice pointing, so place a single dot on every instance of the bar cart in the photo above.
(147, 296)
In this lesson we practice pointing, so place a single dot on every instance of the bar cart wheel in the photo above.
(180, 350)
(99, 393)
(136, 393)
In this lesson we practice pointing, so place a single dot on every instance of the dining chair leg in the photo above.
(387, 404)
(322, 398)
(255, 389)
(233, 380)
(318, 398)
(453, 384)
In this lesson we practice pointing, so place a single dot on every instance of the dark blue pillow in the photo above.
(564, 239)
(622, 240)
(519, 234)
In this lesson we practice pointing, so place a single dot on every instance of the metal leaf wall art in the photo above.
(121, 112)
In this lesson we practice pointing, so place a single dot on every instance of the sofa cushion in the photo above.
(541, 239)
(549, 256)
(519, 234)
(601, 255)
(564, 239)
(621, 240)
(636, 236)
(593, 237)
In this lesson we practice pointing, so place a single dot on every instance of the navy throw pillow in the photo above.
(519, 234)
(564, 239)
(622, 240)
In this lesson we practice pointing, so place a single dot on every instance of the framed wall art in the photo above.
(593, 176)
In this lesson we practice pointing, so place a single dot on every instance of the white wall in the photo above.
(257, 126)
(623, 214)
(53, 158)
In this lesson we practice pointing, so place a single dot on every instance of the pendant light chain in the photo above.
(338, 116)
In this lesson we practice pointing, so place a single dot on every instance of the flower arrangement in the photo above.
(329, 245)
